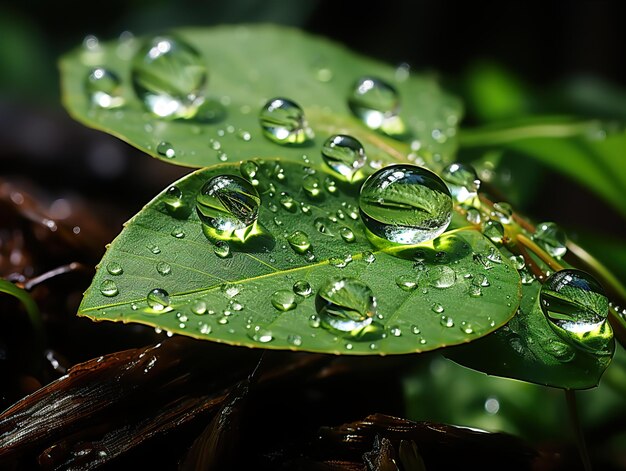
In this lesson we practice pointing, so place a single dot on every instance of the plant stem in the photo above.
(570, 397)
(32, 310)
(542, 254)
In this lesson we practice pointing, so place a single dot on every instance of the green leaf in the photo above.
(234, 294)
(247, 66)
(528, 349)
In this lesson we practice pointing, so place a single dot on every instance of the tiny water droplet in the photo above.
(436, 307)
(228, 205)
(173, 201)
(347, 235)
(169, 77)
(527, 277)
(294, 340)
(302, 288)
(395, 331)
(481, 280)
(330, 185)
(475, 291)
(311, 186)
(446, 321)
(283, 122)
(108, 288)
(441, 277)
(462, 182)
(114, 268)
(406, 282)
(415, 330)
(165, 149)
(221, 249)
(503, 212)
(261, 335)
(466, 327)
(405, 204)
(288, 203)
(230, 290)
(158, 299)
(104, 88)
(249, 170)
(205, 328)
(244, 135)
(368, 257)
(494, 255)
(178, 232)
(199, 308)
(518, 261)
(473, 216)
(284, 300)
(314, 321)
(346, 305)
(494, 231)
(345, 156)
(551, 238)
(299, 241)
(323, 225)
(163, 268)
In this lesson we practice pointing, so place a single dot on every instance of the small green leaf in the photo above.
(528, 349)
(247, 66)
(264, 292)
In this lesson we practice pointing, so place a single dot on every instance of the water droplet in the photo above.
(473, 216)
(405, 204)
(340, 262)
(165, 149)
(114, 268)
(230, 290)
(311, 186)
(446, 321)
(475, 291)
(228, 206)
(302, 288)
(395, 331)
(205, 328)
(441, 277)
(169, 77)
(164, 268)
(104, 88)
(299, 241)
(261, 335)
(323, 225)
(288, 203)
(436, 307)
(108, 288)
(158, 299)
(294, 340)
(199, 308)
(249, 170)
(221, 249)
(345, 156)
(503, 212)
(283, 121)
(368, 257)
(346, 305)
(178, 232)
(466, 327)
(551, 238)
(244, 135)
(406, 282)
(481, 280)
(284, 300)
(347, 235)
(415, 330)
(376, 103)
(576, 307)
(494, 255)
(526, 277)
(494, 231)
(330, 185)
(173, 201)
(518, 261)
(462, 182)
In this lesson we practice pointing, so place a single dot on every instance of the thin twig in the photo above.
(570, 398)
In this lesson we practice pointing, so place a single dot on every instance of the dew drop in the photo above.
(311, 186)
(221, 249)
(551, 238)
(108, 288)
(345, 156)
(249, 170)
(178, 232)
(261, 335)
(518, 261)
(405, 204)
(163, 268)
(173, 201)
(323, 225)
(205, 328)
(346, 305)
(283, 122)
(347, 235)
(436, 307)
(494, 231)
(288, 203)
(576, 307)
(441, 277)
(158, 299)
(473, 216)
(302, 288)
(114, 268)
(446, 321)
(104, 88)
(230, 290)
(314, 321)
(503, 212)
(199, 308)
(299, 241)
(376, 103)
(169, 77)
(466, 327)
(368, 257)
(165, 149)
(462, 182)
(294, 340)
(415, 330)
(228, 206)
(406, 282)
(330, 185)
(395, 331)
(284, 300)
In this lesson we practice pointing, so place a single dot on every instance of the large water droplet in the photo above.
(299, 241)
(104, 88)
(228, 205)
(462, 182)
(108, 288)
(158, 299)
(551, 238)
(284, 300)
(348, 306)
(169, 77)
(376, 103)
(345, 156)
(405, 204)
(576, 307)
(283, 121)
(114, 268)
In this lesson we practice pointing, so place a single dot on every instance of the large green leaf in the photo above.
(247, 66)
(528, 349)
(237, 290)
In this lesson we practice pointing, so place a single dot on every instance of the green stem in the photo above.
(570, 398)
(31, 309)
(479, 137)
